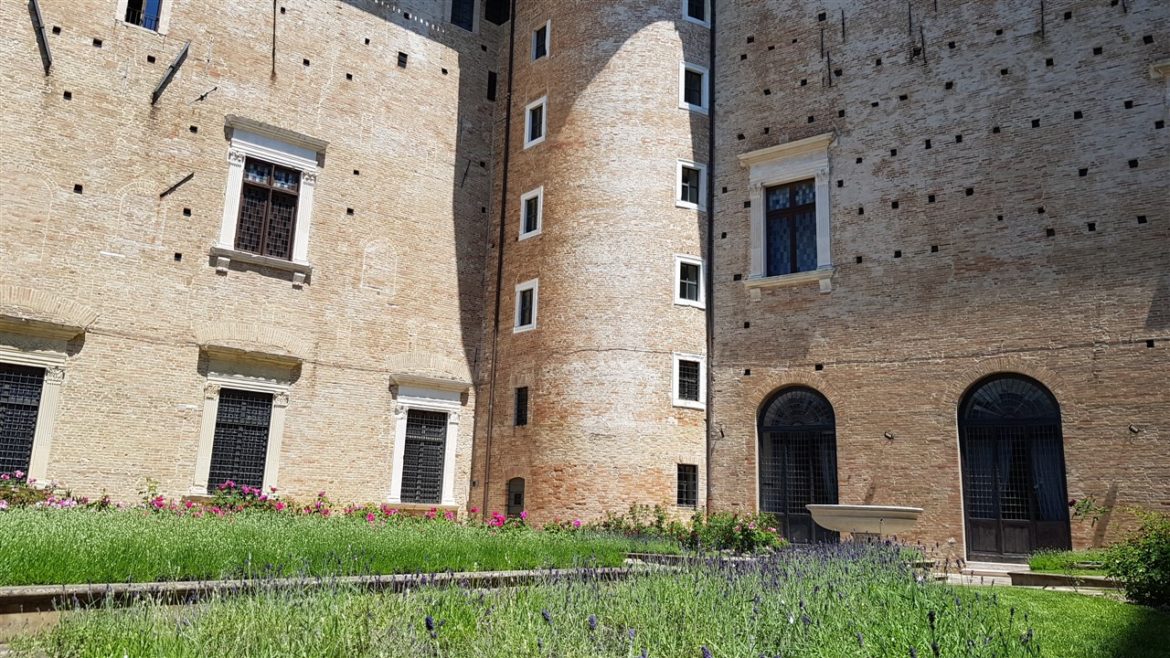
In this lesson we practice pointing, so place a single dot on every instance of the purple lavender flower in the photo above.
(913, 652)
(931, 617)
(430, 622)
(860, 640)
(632, 633)
(592, 622)
(645, 652)
(547, 615)
(934, 649)
(707, 653)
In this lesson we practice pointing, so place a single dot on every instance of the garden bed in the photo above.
(1089, 562)
(847, 600)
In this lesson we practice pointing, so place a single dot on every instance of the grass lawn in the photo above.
(39, 547)
(1063, 562)
(832, 602)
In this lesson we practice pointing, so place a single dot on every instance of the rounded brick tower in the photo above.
(596, 366)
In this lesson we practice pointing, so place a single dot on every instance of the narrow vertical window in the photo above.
(688, 273)
(540, 41)
(693, 92)
(534, 122)
(791, 228)
(423, 458)
(521, 412)
(691, 180)
(491, 86)
(268, 209)
(240, 447)
(20, 402)
(688, 380)
(689, 385)
(144, 13)
(688, 485)
(531, 213)
(526, 305)
(696, 11)
(515, 497)
(463, 13)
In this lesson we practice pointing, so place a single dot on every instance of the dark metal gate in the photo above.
(20, 401)
(798, 461)
(240, 447)
(1014, 491)
(422, 461)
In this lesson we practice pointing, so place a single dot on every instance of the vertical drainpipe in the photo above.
(709, 269)
(500, 240)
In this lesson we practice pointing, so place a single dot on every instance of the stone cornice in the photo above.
(28, 310)
(804, 146)
(233, 121)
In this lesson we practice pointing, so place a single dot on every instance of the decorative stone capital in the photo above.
(55, 376)
(308, 178)
(211, 391)
(399, 411)
(280, 400)
(236, 157)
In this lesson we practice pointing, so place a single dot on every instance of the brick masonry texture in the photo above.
(1015, 106)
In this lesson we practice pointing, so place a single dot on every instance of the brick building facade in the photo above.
(708, 255)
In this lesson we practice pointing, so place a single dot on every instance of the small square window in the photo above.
(535, 122)
(688, 276)
(692, 178)
(688, 485)
(540, 41)
(697, 11)
(531, 213)
(693, 92)
(521, 412)
(526, 301)
(690, 385)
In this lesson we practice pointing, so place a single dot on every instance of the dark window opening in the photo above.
(521, 415)
(268, 209)
(515, 497)
(524, 312)
(688, 485)
(491, 89)
(422, 461)
(463, 13)
(688, 281)
(20, 402)
(531, 214)
(540, 42)
(689, 179)
(791, 216)
(535, 123)
(240, 446)
(688, 380)
(697, 9)
(144, 13)
(496, 11)
(693, 88)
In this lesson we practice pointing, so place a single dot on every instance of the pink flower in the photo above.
(18, 474)
(272, 489)
(449, 515)
(280, 506)
(4, 476)
(576, 523)
(263, 498)
(189, 504)
(370, 517)
(752, 525)
(431, 513)
(320, 494)
(475, 510)
(524, 515)
(3, 505)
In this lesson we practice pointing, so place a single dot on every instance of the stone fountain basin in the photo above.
(868, 519)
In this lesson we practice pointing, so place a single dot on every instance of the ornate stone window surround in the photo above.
(280, 399)
(426, 394)
(701, 403)
(287, 149)
(54, 364)
(777, 165)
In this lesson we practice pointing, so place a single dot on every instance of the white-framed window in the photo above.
(426, 437)
(689, 381)
(153, 15)
(268, 198)
(535, 121)
(527, 298)
(241, 431)
(531, 213)
(693, 86)
(690, 183)
(688, 281)
(30, 395)
(697, 11)
(541, 41)
(790, 213)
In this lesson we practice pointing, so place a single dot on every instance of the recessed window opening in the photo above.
(791, 228)
(540, 41)
(144, 13)
(535, 122)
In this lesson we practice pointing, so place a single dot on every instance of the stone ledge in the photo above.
(1035, 579)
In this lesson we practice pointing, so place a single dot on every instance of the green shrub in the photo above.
(1142, 562)
(1069, 562)
(722, 531)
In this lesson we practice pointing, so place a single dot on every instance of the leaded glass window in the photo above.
(791, 228)
(268, 209)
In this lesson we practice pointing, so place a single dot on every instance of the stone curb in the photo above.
(1034, 579)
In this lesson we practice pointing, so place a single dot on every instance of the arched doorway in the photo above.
(515, 497)
(798, 461)
(1012, 451)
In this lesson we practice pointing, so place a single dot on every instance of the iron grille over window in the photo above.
(690, 185)
(241, 438)
(791, 213)
(144, 13)
(697, 9)
(522, 406)
(688, 380)
(693, 88)
(463, 13)
(422, 461)
(268, 209)
(515, 497)
(20, 400)
(688, 485)
(540, 42)
(688, 281)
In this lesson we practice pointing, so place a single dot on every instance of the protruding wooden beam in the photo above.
(170, 74)
(34, 11)
(176, 185)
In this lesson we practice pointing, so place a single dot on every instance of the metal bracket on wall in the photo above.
(170, 74)
(177, 185)
(34, 11)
